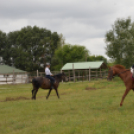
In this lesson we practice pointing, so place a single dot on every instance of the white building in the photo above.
(9, 75)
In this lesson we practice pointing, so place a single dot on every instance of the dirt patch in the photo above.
(25, 98)
(90, 88)
(16, 99)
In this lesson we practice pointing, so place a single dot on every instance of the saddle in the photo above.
(52, 85)
(48, 79)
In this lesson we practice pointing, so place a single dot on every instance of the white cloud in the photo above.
(95, 45)
(82, 22)
(11, 25)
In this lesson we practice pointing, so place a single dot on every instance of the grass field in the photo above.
(78, 111)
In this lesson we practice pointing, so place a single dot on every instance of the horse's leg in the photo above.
(57, 93)
(34, 92)
(124, 95)
(48, 93)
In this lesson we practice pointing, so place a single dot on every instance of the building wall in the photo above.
(17, 78)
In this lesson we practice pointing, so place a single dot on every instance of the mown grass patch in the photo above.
(78, 111)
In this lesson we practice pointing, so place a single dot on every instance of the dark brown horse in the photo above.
(44, 83)
(125, 75)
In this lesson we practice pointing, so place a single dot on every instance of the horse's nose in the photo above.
(109, 79)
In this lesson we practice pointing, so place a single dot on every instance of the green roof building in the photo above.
(84, 65)
(82, 70)
(12, 75)
(5, 69)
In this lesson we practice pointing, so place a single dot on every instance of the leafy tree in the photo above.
(97, 58)
(120, 42)
(69, 53)
(3, 41)
(31, 47)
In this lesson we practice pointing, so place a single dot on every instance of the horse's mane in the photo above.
(119, 66)
(58, 75)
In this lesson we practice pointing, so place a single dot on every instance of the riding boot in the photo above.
(52, 85)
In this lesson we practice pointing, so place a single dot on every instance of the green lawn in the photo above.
(78, 111)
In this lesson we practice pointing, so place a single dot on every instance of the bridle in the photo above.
(111, 73)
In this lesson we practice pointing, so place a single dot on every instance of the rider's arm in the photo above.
(47, 72)
(51, 74)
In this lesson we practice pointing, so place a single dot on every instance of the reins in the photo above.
(58, 77)
(123, 72)
(118, 73)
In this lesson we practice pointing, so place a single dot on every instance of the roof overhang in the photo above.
(84, 65)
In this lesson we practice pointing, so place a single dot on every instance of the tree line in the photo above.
(31, 47)
(120, 42)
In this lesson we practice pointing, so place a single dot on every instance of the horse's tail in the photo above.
(35, 83)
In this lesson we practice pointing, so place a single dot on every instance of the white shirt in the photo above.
(131, 69)
(47, 71)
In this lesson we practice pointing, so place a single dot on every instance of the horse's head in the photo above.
(61, 76)
(64, 78)
(111, 74)
(115, 70)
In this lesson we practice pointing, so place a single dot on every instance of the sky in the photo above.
(82, 22)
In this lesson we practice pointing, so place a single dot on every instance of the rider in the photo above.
(49, 74)
(132, 70)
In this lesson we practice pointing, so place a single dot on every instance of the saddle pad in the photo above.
(132, 77)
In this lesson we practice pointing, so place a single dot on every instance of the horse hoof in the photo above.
(120, 105)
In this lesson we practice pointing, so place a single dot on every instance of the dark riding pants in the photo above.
(51, 78)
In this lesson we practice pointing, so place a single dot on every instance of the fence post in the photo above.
(73, 71)
(69, 75)
(96, 74)
(79, 75)
(61, 72)
(89, 75)
(82, 76)
(37, 73)
(26, 78)
(6, 78)
(100, 73)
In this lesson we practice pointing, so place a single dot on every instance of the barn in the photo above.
(85, 70)
(13, 75)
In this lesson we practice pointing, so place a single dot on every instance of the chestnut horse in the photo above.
(44, 83)
(125, 75)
